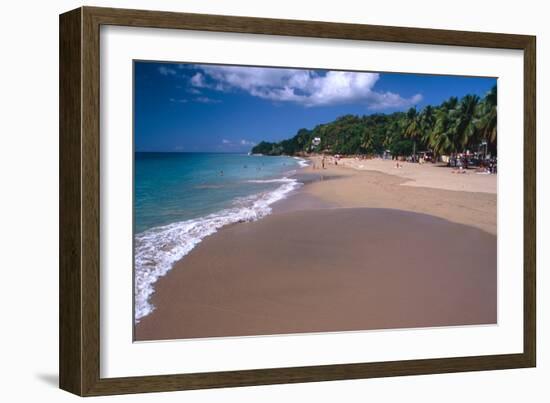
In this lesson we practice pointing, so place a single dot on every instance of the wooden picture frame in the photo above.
(79, 346)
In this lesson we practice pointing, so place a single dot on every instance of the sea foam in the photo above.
(278, 180)
(157, 249)
(302, 162)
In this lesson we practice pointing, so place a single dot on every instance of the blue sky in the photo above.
(216, 108)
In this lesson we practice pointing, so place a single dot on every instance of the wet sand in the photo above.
(328, 269)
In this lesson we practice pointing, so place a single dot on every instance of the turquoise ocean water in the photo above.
(181, 198)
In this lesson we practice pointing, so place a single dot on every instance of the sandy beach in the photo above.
(436, 176)
(432, 189)
(367, 247)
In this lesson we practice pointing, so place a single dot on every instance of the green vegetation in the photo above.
(452, 127)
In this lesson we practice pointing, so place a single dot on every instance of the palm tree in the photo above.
(366, 141)
(467, 132)
(487, 123)
(392, 132)
(413, 126)
(427, 123)
(442, 138)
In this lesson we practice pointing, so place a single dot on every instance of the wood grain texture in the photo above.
(90, 202)
(530, 203)
(315, 29)
(70, 273)
(80, 201)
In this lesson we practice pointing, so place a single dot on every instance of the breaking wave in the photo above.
(157, 249)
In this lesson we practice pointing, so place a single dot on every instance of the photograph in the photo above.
(290, 200)
(287, 198)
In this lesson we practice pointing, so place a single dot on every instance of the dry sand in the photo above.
(437, 176)
(372, 186)
(347, 253)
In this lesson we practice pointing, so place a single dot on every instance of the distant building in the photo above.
(316, 141)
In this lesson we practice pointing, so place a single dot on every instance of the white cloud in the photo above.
(305, 87)
(225, 141)
(181, 101)
(387, 100)
(167, 71)
(247, 143)
(198, 80)
(206, 100)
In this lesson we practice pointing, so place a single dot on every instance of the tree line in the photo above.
(454, 126)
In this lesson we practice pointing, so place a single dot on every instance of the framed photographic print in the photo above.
(249, 201)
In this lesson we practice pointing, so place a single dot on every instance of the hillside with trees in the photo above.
(454, 126)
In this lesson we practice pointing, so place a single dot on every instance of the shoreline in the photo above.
(346, 194)
(324, 271)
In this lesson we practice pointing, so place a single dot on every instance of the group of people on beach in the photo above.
(485, 166)
(324, 162)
